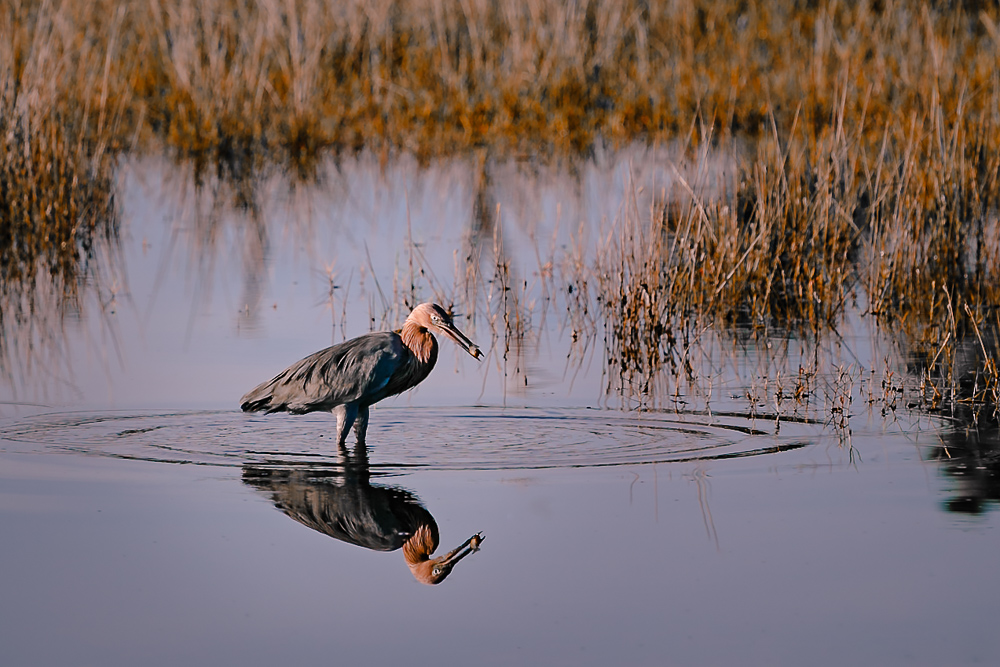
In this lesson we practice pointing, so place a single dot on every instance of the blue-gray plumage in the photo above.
(347, 378)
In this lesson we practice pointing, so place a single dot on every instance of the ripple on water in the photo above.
(405, 438)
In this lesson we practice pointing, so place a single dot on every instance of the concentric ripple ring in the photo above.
(406, 438)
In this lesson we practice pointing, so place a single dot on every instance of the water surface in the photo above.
(145, 520)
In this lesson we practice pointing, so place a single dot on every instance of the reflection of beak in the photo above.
(435, 570)
(461, 339)
(470, 546)
(442, 566)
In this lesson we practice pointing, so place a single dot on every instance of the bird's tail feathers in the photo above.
(256, 405)
(260, 398)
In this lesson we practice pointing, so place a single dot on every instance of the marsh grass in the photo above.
(238, 83)
(810, 229)
(58, 243)
(867, 134)
(771, 254)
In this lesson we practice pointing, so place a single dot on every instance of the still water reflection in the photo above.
(344, 504)
(766, 559)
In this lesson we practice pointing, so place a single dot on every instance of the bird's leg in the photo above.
(361, 425)
(346, 414)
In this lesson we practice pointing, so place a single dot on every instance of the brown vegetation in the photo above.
(873, 127)
(227, 79)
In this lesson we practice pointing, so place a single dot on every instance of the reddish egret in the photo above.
(347, 378)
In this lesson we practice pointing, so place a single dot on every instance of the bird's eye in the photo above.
(435, 319)
(437, 570)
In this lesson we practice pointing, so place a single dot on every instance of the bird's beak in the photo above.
(461, 340)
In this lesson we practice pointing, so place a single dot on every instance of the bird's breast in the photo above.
(408, 374)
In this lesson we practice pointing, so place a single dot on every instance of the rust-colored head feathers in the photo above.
(422, 544)
(426, 319)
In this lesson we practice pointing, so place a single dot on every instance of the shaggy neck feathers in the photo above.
(418, 339)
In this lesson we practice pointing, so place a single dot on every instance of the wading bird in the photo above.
(347, 378)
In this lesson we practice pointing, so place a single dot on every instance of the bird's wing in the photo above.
(344, 373)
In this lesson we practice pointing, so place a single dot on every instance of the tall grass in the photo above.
(225, 78)
(868, 134)
(814, 223)
(58, 216)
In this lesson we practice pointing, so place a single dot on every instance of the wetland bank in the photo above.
(734, 268)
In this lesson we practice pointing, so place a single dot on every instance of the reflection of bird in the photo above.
(349, 377)
(342, 504)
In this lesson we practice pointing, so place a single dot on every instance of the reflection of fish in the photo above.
(343, 504)
(348, 378)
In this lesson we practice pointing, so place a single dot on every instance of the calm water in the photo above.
(146, 521)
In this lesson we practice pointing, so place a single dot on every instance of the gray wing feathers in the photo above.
(345, 373)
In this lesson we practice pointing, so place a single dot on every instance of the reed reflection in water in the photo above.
(343, 503)
(969, 457)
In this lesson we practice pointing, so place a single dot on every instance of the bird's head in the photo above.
(428, 570)
(434, 318)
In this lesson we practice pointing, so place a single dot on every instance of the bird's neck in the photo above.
(420, 546)
(419, 340)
